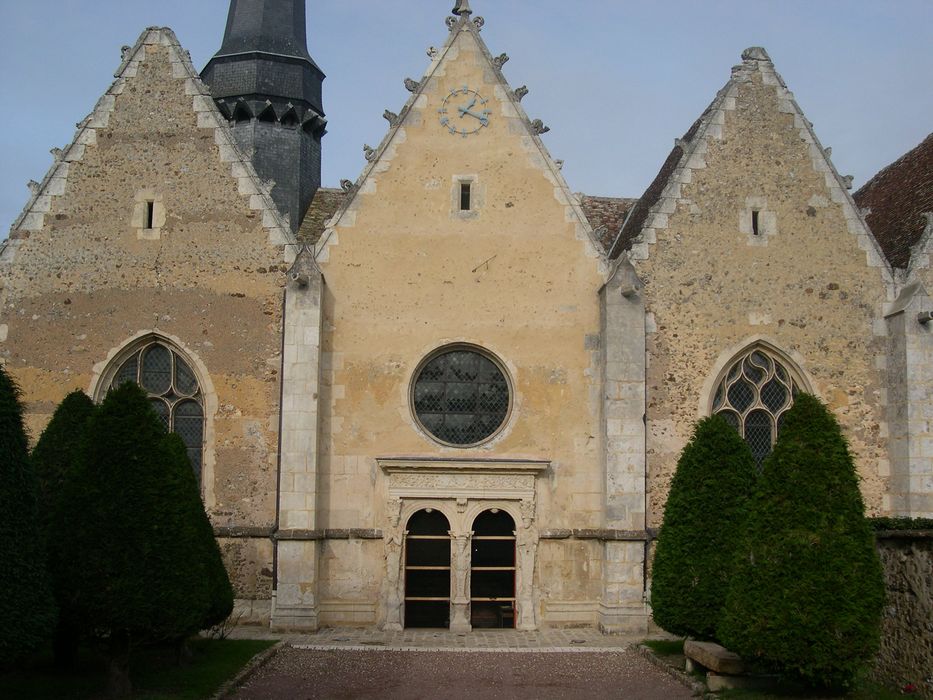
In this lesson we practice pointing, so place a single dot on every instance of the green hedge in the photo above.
(27, 611)
(807, 591)
(879, 524)
(696, 544)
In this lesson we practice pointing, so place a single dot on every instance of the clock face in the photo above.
(464, 112)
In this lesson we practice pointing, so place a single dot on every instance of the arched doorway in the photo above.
(427, 570)
(492, 570)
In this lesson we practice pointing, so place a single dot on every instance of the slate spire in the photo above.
(266, 83)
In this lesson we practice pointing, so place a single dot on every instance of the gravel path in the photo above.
(338, 674)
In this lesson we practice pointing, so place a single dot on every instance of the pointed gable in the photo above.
(56, 182)
(689, 156)
(446, 74)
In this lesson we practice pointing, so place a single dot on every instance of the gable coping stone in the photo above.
(55, 181)
(381, 156)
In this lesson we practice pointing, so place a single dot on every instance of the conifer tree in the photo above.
(218, 582)
(27, 611)
(129, 547)
(702, 523)
(806, 596)
(53, 457)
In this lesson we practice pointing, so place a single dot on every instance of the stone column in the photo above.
(622, 606)
(460, 561)
(526, 542)
(910, 405)
(294, 601)
(394, 539)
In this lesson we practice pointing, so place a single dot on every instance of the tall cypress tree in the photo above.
(702, 523)
(53, 458)
(807, 592)
(220, 591)
(27, 610)
(128, 546)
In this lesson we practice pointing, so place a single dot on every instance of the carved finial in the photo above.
(462, 8)
(847, 181)
(412, 85)
(124, 50)
(520, 92)
(33, 186)
(539, 128)
(369, 152)
(559, 164)
(755, 53)
(432, 52)
(57, 153)
(501, 60)
(681, 144)
(828, 151)
(390, 117)
(346, 185)
(478, 22)
(451, 23)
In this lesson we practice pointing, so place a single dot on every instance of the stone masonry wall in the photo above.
(805, 284)
(84, 278)
(906, 654)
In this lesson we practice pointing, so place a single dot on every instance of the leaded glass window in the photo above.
(461, 397)
(174, 392)
(754, 396)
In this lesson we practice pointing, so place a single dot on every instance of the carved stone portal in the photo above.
(461, 490)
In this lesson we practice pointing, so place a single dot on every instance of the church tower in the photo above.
(266, 83)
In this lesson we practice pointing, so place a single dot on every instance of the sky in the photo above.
(616, 81)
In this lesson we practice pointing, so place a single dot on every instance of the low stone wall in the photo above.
(906, 654)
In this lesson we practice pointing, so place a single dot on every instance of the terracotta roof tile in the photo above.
(897, 197)
(606, 215)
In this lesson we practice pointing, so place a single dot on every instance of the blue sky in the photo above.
(616, 81)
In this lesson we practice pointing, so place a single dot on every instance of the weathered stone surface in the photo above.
(713, 656)
(906, 654)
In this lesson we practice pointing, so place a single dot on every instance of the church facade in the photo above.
(453, 392)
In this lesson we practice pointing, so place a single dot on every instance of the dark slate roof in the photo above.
(269, 26)
(325, 204)
(897, 197)
(606, 215)
(651, 196)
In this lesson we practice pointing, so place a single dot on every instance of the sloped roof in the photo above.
(652, 195)
(606, 215)
(326, 202)
(897, 196)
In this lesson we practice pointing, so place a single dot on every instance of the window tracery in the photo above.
(755, 394)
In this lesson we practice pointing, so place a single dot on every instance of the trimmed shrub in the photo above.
(129, 547)
(702, 525)
(53, 458)
(900, 523)
(807, 591)
(27, 610)
(220, 591)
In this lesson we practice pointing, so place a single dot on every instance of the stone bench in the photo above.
(712, 656)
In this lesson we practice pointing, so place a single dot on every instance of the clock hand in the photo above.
(484, 117)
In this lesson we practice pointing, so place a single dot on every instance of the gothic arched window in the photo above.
(753, 397)
(173, 390)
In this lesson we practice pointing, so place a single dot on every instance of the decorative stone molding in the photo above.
(462, 490)
(55, 181)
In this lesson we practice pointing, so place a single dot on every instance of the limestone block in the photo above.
(713, 656)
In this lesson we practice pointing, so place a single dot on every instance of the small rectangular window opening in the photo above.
(755, 229)
(464, 196)
(150, 210)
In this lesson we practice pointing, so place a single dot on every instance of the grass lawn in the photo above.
(154, 673)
